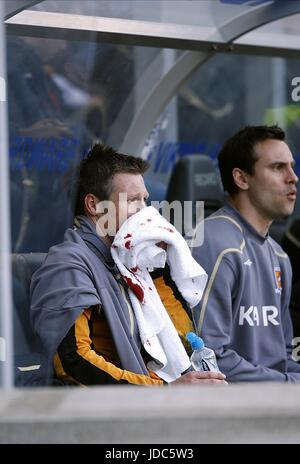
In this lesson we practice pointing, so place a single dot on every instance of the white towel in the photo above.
(135, 252)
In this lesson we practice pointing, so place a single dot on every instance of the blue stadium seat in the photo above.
(195, 178)
(29, 363)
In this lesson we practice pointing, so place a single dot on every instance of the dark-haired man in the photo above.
(244, 313)
(80, 305)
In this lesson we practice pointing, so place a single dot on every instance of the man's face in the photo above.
(272, 187)
(129, 196)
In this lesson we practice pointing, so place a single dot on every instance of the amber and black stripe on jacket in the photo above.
(87, 355)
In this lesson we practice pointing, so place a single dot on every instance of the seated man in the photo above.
(80, 303)
(244, 313)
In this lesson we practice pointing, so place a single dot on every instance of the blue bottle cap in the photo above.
(195, 341)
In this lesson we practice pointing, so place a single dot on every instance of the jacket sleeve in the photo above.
(77, 358)
(217, 322)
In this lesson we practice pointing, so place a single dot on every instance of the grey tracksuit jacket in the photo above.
(244, 313)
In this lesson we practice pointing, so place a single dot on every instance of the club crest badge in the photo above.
(277, 273)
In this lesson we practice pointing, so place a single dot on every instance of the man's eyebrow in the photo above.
(283, 163)
(137, 195)
(276, 163)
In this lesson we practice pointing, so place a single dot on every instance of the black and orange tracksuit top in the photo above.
(87, 355)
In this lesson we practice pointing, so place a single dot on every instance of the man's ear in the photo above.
(90, 204)
(240, 178)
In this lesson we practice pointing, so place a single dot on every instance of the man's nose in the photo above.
(293, 176)
(136, 207)
(141, 204)
(144, 202)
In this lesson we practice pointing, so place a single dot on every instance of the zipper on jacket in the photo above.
(130, 310)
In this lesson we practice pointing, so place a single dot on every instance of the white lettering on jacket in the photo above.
(253, 317)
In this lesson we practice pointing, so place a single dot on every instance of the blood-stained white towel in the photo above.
(135, 252)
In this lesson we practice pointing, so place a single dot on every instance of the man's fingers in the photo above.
(208, 375)
(200, 377)
(210, 382)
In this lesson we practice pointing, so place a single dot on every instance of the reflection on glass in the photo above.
(283, 33)
(208, 13)
(62, 97)
(226, 93)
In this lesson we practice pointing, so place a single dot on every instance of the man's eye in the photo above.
(134, 200)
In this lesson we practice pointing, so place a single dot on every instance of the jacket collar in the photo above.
(87, 231)
(245, 224)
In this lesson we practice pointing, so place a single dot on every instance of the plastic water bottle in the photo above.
(202, 358)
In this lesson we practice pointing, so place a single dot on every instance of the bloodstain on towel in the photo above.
(137, 289)
(166, 228)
